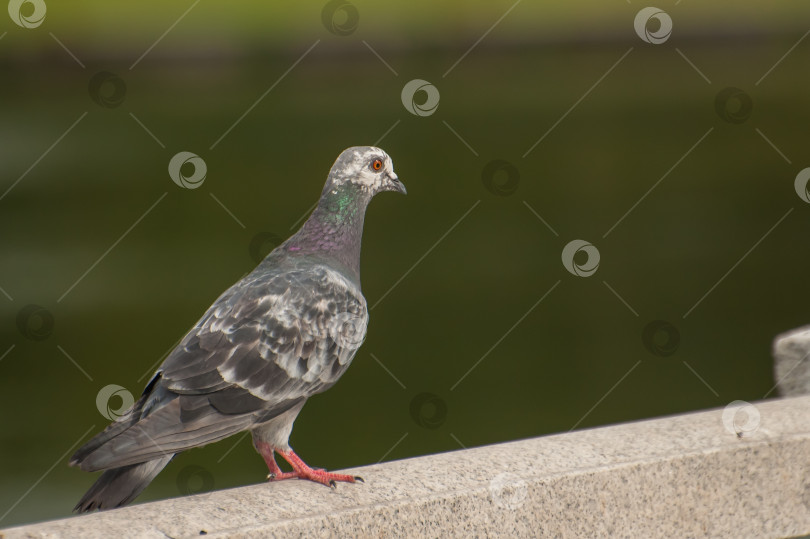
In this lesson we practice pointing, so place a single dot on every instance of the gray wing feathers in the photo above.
(184, 423)
(268, 343)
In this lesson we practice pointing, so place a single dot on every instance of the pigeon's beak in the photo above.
(395, 185)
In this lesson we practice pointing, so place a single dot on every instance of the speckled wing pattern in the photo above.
(269, 342)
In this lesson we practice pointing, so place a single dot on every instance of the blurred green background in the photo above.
(460, 263)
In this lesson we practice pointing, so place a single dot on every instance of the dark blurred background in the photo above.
(674, 155)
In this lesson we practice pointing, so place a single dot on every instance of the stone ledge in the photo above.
(686, 475)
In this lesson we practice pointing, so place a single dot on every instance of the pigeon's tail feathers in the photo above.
(151, 397)
(114, 429)
(119, 486)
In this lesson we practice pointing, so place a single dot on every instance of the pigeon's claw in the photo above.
(319, 476)
(300, 469)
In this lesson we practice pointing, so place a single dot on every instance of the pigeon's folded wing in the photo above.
(265, 345)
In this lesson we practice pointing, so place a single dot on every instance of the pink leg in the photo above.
(300, 468)
(268, 454)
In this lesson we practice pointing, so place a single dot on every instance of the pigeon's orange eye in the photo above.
(376, 165)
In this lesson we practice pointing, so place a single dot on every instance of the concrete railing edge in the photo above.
(736, 471)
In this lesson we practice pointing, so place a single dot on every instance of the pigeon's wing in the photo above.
(266, 344)
(290, 337)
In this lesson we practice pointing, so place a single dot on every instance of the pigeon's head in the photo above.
(365, 168)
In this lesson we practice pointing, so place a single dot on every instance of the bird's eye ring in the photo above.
(376, 165)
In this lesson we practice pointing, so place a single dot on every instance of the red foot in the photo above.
(300, 469)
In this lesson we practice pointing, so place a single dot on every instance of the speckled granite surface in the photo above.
(736, 472)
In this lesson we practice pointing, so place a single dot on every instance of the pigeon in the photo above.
(286, 331)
